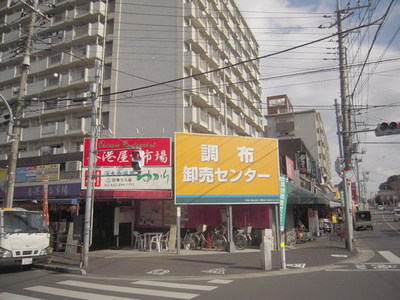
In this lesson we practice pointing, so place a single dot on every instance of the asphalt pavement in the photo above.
(324, 251)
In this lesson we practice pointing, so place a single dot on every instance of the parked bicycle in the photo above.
(242, 238)
(197, 240)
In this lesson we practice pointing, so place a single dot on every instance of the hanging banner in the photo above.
(45, 201)
(283, 197)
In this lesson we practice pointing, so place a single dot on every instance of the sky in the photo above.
(309, 75)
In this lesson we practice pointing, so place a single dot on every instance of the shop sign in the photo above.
(54, 191)
(117, 152)
(123, 178)
(38, 173)
(283, 184)
(211, 169)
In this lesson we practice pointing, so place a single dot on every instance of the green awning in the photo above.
(299, 195)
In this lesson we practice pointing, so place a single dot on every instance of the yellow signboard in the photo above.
(211, 169)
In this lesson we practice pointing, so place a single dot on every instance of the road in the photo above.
(378, 278)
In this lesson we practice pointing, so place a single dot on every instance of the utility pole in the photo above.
(346, 135)
(91, 168)
(26, 62)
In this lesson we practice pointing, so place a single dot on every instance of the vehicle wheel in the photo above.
(195, 241)
(218, 241)
(240, 241)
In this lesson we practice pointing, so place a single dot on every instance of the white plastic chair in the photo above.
(139, 240)
(156, 241)
(164, 241)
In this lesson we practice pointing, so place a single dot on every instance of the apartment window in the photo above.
(82, 30)
(109, 49)
(110, 27)
(83, 9)
(107, 71)
(49, 127)
(105, 120)
(53, 81)
(51, 104)
(59, 17)
(218, 125)
(106, 98)
(80, 51)
(55, 59)
(74, 123)
(78, 74)
(204, 115)
(111, 6)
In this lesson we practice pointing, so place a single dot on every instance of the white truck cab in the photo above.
(24, 237)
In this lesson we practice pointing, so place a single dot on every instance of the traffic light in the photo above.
(386, 128)
(137, 161)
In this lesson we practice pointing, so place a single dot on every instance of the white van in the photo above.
(396, 214)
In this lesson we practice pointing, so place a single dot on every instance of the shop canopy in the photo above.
(302, 196)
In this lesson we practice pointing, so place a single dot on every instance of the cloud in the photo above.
(280, 25)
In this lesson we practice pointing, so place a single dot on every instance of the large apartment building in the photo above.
(157, 61)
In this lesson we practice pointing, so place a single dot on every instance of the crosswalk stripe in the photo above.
(74, 294)
(176, 285)
(393, 259)
(105, 287)
(9, 296)
(220, 281)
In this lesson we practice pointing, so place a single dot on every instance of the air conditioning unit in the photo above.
(71, 166)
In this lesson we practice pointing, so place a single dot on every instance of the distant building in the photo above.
(284, 123)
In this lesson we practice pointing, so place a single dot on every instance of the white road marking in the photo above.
(74, 294)
(298, 266)
(176, 285)
(112, 288)
(220, 281)
(158, 272)
(361, 267)
(393, 259)
(9, 296)
(219, 271)
(338, 255)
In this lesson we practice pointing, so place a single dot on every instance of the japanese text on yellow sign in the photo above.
(226, 169)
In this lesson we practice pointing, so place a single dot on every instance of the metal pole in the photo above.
(231, 245)
(280, 243)
(26, 62)
(178, 230)
(91, 168)
(346, 127)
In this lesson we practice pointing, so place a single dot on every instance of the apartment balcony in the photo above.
(88, 32)
(193, 37)
(10, 74)
(199, 94)
(194, 63)
(198, 118)
(197, 17)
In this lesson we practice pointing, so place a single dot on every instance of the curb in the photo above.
(60, 269)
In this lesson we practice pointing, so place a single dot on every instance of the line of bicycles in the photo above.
(216, 238)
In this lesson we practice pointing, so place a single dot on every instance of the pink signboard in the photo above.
(117, 152)
(289, 167)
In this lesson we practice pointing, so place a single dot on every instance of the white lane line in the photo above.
(393, 259)
(9, 296)
(220, 281)
(176, 285)
(122, 289)
(74, 294)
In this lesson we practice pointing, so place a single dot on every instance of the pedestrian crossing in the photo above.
(388, 261)
(136, 290)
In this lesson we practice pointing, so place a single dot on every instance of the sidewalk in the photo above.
(325, 250)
